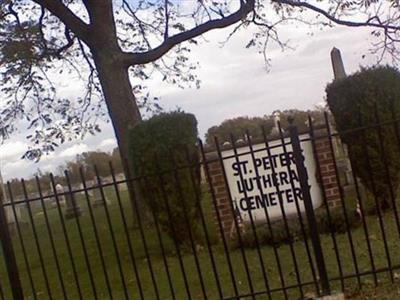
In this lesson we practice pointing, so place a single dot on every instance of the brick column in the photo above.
(328, 179)
(221, 193)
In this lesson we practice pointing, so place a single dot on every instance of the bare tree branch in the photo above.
(156, 53)
(368, 23)
(166, 33)
(80, 28)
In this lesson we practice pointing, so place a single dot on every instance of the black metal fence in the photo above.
(94, 241)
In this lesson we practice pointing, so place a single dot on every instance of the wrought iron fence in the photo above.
(278, 217)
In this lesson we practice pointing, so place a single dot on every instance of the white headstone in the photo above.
(60, 193)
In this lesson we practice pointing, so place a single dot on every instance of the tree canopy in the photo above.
(113, 46)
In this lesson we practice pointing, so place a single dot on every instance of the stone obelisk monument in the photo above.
(337, 64)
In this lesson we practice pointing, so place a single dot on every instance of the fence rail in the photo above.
(278, 217)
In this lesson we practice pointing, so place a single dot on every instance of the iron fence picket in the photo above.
(187, 221)
(269, 224)
(81, 237)
(218, 215)
(299, 215)
(315, 238)
(287, 229)
(111, 230)
(66, 237)
(325, 202)
(365, 226)
(253, 158)
(9, 254)
(95, 232)
(342, 200)
(387, 172)
(159, 238)
(397, 134)
(52, 243)
(204, 225)
(165, 198)
(220, 286)
(21, 242)
(253, 228)
(377, 205)
(142, 235)
(37, 243)
(239, 233)
(126, 231)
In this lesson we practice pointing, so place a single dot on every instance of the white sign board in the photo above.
(257, 195)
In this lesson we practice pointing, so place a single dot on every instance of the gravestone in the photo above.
(59, 194)
(342, 158)
(337, 64)
(99, 198)
(73, 209)
(275, 132)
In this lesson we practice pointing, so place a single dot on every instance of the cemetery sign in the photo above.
(257, 182)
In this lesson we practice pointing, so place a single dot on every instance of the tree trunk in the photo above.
(122, 108)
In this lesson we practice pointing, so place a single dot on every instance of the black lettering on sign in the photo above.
(240, 168)
(283, 177)
(289, 196)
(245, 185)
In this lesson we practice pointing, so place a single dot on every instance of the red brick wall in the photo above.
(221, 197)
(329, 184)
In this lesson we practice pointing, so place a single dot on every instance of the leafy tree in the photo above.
(237, 127)
(301, 117)
(95, 158)
(72, 167)
(363, 99)
(166, 158)
(106, 43)
(88, 160)
(16, 189)
(116, 161)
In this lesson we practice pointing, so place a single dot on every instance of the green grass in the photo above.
(384, 291)
(188, 260)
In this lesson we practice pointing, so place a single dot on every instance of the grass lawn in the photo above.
(385, 291)
(158, 265)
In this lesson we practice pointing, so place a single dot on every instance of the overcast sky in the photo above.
(234, 83)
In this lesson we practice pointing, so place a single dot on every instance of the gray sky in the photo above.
(235, 83)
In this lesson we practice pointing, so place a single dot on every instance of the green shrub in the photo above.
(356, 101)
(171, 138)
(337, 217)
(281, 235)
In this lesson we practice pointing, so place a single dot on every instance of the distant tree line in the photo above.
(86, 161)
(237, 126)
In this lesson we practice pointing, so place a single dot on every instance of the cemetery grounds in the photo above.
(158, 264)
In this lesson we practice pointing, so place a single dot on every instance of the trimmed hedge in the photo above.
(361, 100)
(162, 148)
(280, 236)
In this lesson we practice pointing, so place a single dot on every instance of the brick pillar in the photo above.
(222, 199)
(328, 181)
